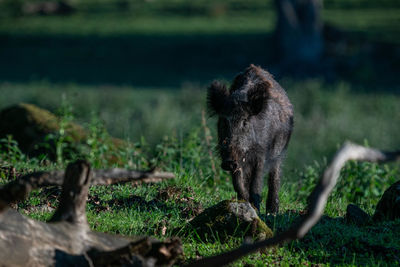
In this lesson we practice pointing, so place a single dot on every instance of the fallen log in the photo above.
(18, 189)
(67, 240)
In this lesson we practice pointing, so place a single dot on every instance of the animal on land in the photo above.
(255, 122)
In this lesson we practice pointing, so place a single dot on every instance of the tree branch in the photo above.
(18, 190)
(317, 202)
(119, 176)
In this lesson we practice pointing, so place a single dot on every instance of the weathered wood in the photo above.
(163, 253)
(119, 176)
(26, 242)
(316, 203)
(67, 240)
(18, 190)
(74, 194)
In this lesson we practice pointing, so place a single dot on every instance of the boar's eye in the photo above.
(225, 143)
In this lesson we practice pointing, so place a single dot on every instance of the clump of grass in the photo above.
(362, 183)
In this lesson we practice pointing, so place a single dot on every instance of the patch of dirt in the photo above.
(137, 201)
(40, 208)
(184, 198)
(51, 193)
(119, 203)
(48, 201)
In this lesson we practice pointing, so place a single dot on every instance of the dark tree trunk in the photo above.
(299, 41)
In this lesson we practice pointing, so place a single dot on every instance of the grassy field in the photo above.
(142, 75)
(142, 210)
(326, 115)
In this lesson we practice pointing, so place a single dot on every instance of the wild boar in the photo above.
(255, 122)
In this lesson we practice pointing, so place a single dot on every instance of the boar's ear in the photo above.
(257, 97)
(216, 98)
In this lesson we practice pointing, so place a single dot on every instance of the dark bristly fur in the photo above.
(217, 98)
(255, 121)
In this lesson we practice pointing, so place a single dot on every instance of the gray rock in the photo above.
(243, 210)
(229, 219)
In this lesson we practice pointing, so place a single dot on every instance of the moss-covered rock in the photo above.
(32, 126)
(229, 219)
(29, 125)
(388, 207)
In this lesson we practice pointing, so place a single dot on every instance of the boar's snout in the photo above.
(229, 165)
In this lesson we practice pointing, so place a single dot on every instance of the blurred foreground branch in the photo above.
(316, 203)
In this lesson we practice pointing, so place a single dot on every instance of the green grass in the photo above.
(379, 25)
(142, 76)
(117, 25)
(376, 24)
(169, 50)
(173, 139)
(326, 115)
(140, 210)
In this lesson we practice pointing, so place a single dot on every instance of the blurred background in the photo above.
(142, 66)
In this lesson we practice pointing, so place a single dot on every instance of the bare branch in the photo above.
(119, 176)
(317, 202)
(19, 189)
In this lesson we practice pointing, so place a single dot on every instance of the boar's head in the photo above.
(239, 110)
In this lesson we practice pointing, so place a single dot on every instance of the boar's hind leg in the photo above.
(273, 187)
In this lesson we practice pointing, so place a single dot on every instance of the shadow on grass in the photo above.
(334, 241)
(171, 60)
(139, 60)
(136, 202)
(168, 200)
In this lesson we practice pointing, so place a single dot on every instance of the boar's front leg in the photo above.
(273, 187)
(256, 184)
(239, 185)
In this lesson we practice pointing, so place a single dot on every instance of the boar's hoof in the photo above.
(273, 208)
